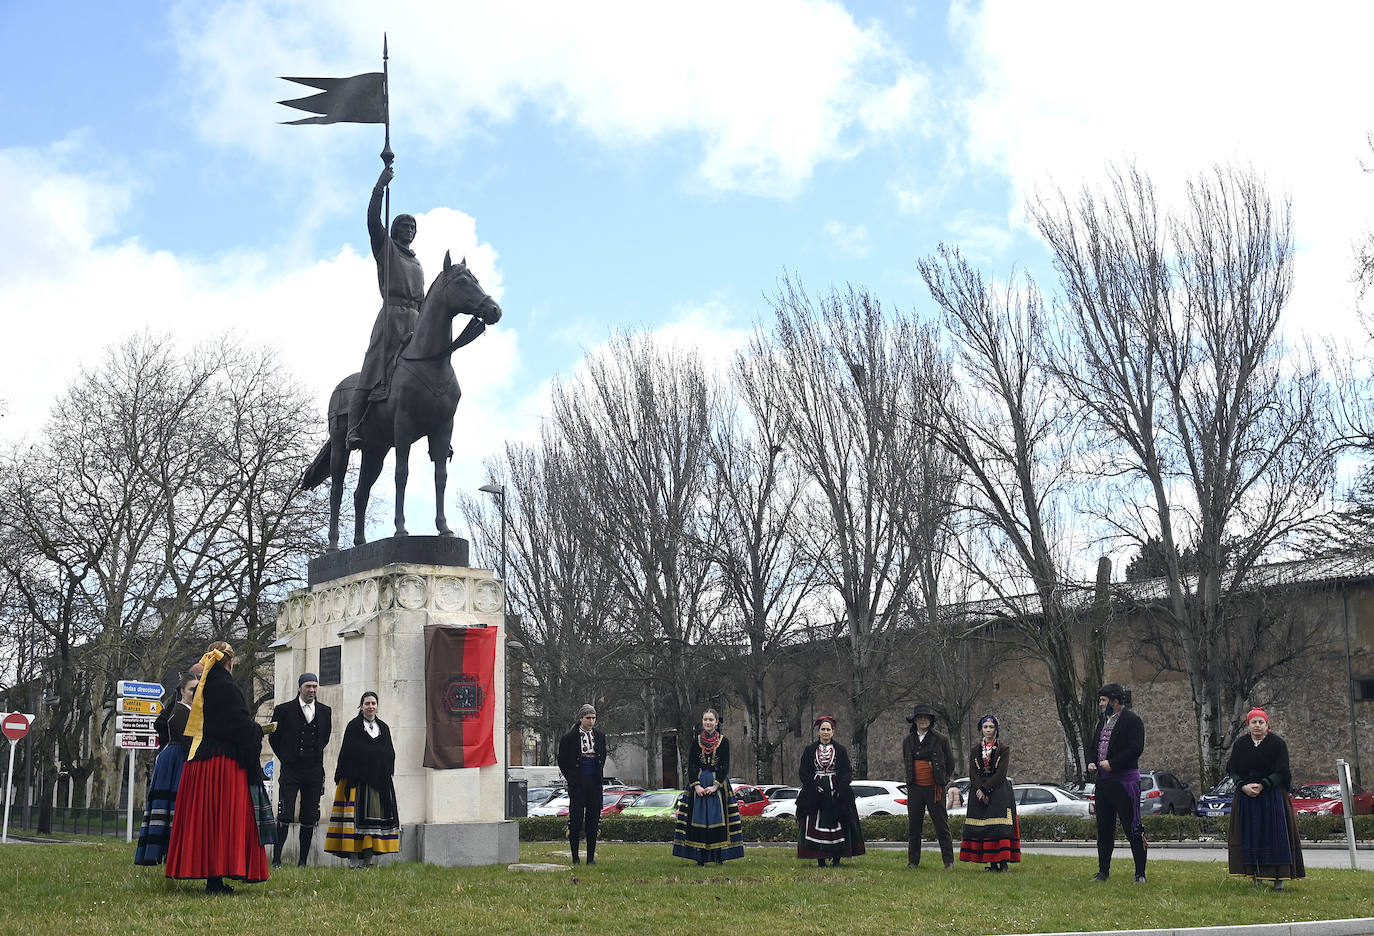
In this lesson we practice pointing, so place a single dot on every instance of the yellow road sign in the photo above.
(139, 707)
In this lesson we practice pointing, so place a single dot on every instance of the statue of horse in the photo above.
(423, 398)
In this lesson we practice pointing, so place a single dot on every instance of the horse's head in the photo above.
(462, 292)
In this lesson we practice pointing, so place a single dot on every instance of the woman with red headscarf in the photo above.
(1263, 840)
(827, 818)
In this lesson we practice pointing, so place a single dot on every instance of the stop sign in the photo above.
(15, 725)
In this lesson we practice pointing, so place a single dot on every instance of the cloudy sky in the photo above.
(617, 165)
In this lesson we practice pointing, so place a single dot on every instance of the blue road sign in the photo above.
(133, 689)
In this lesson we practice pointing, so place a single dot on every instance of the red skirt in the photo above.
(214, 829)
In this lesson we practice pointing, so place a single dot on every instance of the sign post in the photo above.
(137, 704)
(14, 725)
(1347, 807)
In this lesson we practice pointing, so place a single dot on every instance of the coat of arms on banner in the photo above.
(463, 696)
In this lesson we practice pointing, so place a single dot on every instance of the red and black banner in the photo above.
(460, 696)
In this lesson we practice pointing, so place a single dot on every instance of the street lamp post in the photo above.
(498, 491)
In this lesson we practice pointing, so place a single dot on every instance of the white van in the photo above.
(537, 776)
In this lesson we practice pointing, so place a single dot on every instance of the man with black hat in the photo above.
(1114, 764)
(582, 759)
(302, 734)
(927, 757)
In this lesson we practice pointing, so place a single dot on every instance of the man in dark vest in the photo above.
(1114, 765)
(302, 734)
(927, 757)
(401, 280)
(582, 760)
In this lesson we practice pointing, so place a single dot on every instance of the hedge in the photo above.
(894, 829)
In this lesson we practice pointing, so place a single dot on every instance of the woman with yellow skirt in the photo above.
(364, 822)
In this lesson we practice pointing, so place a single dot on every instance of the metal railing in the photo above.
(71, 820)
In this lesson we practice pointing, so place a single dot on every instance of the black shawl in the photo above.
(717, 762)
(363, 759)
(228, 724)
(1266, 762)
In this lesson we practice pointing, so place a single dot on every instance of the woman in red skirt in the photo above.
(216, 831)
(991, 833)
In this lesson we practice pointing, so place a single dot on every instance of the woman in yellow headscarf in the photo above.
(217, 831)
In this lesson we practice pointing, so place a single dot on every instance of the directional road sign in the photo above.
(140, 707)
(143, 723)
(137, 741)
(134, 689)
(15, 725)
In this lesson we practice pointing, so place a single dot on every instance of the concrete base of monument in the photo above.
(464, 844)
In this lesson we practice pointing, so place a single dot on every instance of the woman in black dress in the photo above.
(1263, 841)
(827, 819)
(991, 832)
(364, 822)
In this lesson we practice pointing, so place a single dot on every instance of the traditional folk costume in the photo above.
(992, 833)
(156, 830)
(302, 734)
(928, 760)
(1263, 840)
(827, 818)
(582, 761)
(1120, 740)
(708, 827)
(223, 817)
(364, 822)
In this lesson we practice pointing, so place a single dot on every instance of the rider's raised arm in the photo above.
(375, 228)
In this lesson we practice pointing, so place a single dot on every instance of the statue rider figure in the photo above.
(400, 305)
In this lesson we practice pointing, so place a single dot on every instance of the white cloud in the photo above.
(848, 238)
(69, 291)
(771, 88)
(1058, 93)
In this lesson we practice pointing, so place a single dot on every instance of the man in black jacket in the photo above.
(927, 757)
(582, 760)
(1114, 763)
(303, 727)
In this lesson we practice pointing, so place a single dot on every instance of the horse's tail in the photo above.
(318, 472)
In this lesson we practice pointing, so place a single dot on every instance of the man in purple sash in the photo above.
(1114, 764)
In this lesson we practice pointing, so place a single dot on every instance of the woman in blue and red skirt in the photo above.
(991, 833)
(1263, 842)
(218, 830)
(162, 792)
(827, 819)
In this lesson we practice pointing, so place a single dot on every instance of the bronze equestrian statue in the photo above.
(407, 388)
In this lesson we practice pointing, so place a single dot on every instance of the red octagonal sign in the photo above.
(15, 725)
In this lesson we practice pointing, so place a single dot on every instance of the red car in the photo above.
(1323, 798)
(750, 799)
(612, 801)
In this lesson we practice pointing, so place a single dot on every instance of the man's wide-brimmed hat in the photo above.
(1113, 690)
(922, 709)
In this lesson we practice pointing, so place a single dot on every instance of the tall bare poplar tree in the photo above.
(1212, 436)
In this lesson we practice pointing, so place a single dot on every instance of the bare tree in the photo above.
(561, 600)
(638, 426)
(1211, 436)
(845, 374)
(767, 577)
(1016, 444)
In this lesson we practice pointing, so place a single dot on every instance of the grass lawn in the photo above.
(95, 888)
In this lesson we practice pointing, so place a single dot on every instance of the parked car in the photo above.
(1044, 799)
(1217, 800)
(613, 801)
(1323, 798)
(770, 788)
(538, 796)
(558, 806)
(751, 800)
(1164, 794)
(782, 803)
(653, 804)
(879, 797)
(963, 784)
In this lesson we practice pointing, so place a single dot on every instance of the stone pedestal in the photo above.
(371, 621)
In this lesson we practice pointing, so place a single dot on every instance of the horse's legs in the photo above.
(367, 474)
(402, 475)
(439, 441)
(338, 468)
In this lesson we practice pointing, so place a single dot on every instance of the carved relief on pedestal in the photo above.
(410, 592)
(354, 599)
(369, 596)
(450, 593)
(488, 596)
(336, 599)
(310, 605)
(294, 613)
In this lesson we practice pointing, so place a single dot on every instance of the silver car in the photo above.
(1042, 799)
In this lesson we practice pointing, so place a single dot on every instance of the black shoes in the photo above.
(216, 885)
(1140, 879)
(1099, 877)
